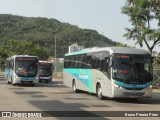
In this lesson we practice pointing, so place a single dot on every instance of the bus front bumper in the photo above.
(119, 92)
(26, 79)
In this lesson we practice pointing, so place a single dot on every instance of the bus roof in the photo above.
(14, 56)
(123, 50)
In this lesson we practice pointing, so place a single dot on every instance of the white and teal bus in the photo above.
(22, 69)
(115, 72)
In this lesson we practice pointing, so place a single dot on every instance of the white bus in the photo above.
(22, 69)
(115, 72)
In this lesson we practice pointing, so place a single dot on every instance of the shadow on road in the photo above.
(155, 99)
(55, 108)
(55, 84)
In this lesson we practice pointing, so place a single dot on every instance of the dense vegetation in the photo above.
(42, 32)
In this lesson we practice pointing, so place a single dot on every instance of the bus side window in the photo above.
(76, 61)
(93, 62)
(71, 61)
(68, 63)
(12, 65)
(65, 62)
(84, 61)
(80, 61)
(104, 64)
(98, 60)
(88, 61)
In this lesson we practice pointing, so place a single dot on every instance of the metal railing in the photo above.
(156, 76)
(58, 70)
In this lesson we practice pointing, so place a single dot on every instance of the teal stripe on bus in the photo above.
(128, 86)
(84, 75)
(28, 78)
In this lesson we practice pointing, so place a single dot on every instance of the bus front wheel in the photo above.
(99, 92)
(12, 81)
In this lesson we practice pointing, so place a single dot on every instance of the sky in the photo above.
(103, 16)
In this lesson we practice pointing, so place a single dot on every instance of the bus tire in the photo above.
(47, 81)
(74, 87)
(8, 82)
(99, 92)
(12, 81)
(50, 81)
(35, 84)
(133, 99)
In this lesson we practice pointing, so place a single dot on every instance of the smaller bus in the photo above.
(45, 71)
(22, 69)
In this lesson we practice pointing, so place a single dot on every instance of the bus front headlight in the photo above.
(37, 78)
(16, 77)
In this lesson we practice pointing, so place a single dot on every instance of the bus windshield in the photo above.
(45, 68)
(26, 66)
(132, 68)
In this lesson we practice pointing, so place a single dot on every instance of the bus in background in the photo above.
(45, 71)
(22, 69)
(115, 72)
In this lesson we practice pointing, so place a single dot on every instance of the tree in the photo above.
(17, 47)
(20, 47)
(40, 52)
(143, 14)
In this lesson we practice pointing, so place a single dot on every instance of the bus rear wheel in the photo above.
(99, 92)
(74, 87)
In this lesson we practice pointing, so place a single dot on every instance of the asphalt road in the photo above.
(57, 97)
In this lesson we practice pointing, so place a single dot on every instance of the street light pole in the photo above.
(55, 53)
(55, 48)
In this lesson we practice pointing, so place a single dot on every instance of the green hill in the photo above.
(42, 31)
